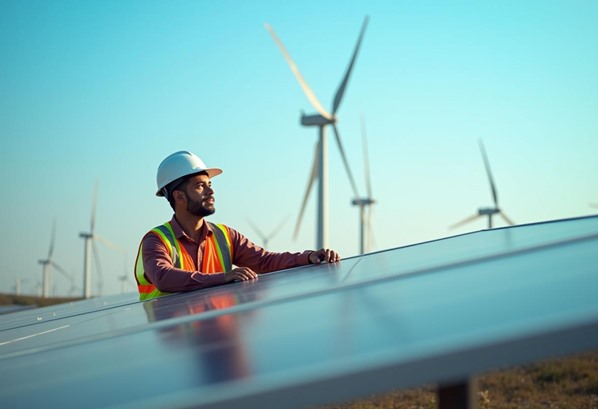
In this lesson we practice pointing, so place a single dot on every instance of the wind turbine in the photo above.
(486, 211)
(125, 279)
(363, 202)
(322, 119)
(48, 263)
(266, 238)
(90, 240)
(18, 284)
(88, 237)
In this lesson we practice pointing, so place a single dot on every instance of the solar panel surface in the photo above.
(428, 313)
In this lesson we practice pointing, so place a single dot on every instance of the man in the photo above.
(188, 253)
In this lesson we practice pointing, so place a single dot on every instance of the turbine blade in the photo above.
(489, 172)
(108, 243)
(257, 230)
(465, 221)
(263, 236)
(310, 183)
(62, 271)
(506, 219)
(52, 240)
(341, 89)
(93, 208)
(278, 228)
(346, 163)
(311, 96)
(366, 161)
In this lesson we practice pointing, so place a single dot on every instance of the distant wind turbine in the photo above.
(321, 120)
(48, 263)
(90, 238)
(486, 211)
(125, 279)
(18, 284)
(266, 237)
(363, 202)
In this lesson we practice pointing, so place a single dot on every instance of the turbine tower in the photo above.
(48, 263)
(126, 277)
(88, 237)
(322, 119)
(18, 285)
(365, 221)
(486, 211)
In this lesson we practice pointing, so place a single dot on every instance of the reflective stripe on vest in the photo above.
(223, 245)
(219, 243)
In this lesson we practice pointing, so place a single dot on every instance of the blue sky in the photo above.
(104, 90)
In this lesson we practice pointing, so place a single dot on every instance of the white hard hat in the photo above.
(181, 164)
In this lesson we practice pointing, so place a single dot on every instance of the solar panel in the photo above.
(436, 312)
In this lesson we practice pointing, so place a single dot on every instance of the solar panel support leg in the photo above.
(459, 395)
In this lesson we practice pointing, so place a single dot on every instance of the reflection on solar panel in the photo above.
(437, 312)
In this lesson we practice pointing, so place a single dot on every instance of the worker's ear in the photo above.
(178, 195)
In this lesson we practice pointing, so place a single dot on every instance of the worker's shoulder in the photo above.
(220, 226)
(157, 231)
(232, 232)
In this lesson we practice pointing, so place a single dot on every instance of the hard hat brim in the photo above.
(210, 171)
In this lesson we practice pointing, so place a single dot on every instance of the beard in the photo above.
(198, 209)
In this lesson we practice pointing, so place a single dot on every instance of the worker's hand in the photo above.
(323, 256)
(240, 274)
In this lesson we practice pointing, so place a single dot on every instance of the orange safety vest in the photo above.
(216, 258)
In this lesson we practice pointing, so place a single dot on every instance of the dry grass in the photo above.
(566, 383)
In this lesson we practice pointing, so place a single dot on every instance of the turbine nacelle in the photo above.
(485, 211)
(364, 201)
(316, 120)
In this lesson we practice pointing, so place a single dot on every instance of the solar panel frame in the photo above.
(381, 293)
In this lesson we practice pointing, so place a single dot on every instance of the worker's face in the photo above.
(199, 196)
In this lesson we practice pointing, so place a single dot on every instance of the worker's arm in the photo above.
(246, 253)
(161, 272)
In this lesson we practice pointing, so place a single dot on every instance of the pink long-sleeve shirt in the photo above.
(160, 271)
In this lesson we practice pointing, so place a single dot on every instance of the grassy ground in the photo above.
(567, 383)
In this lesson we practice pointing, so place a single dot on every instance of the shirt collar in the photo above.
(206, 229)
